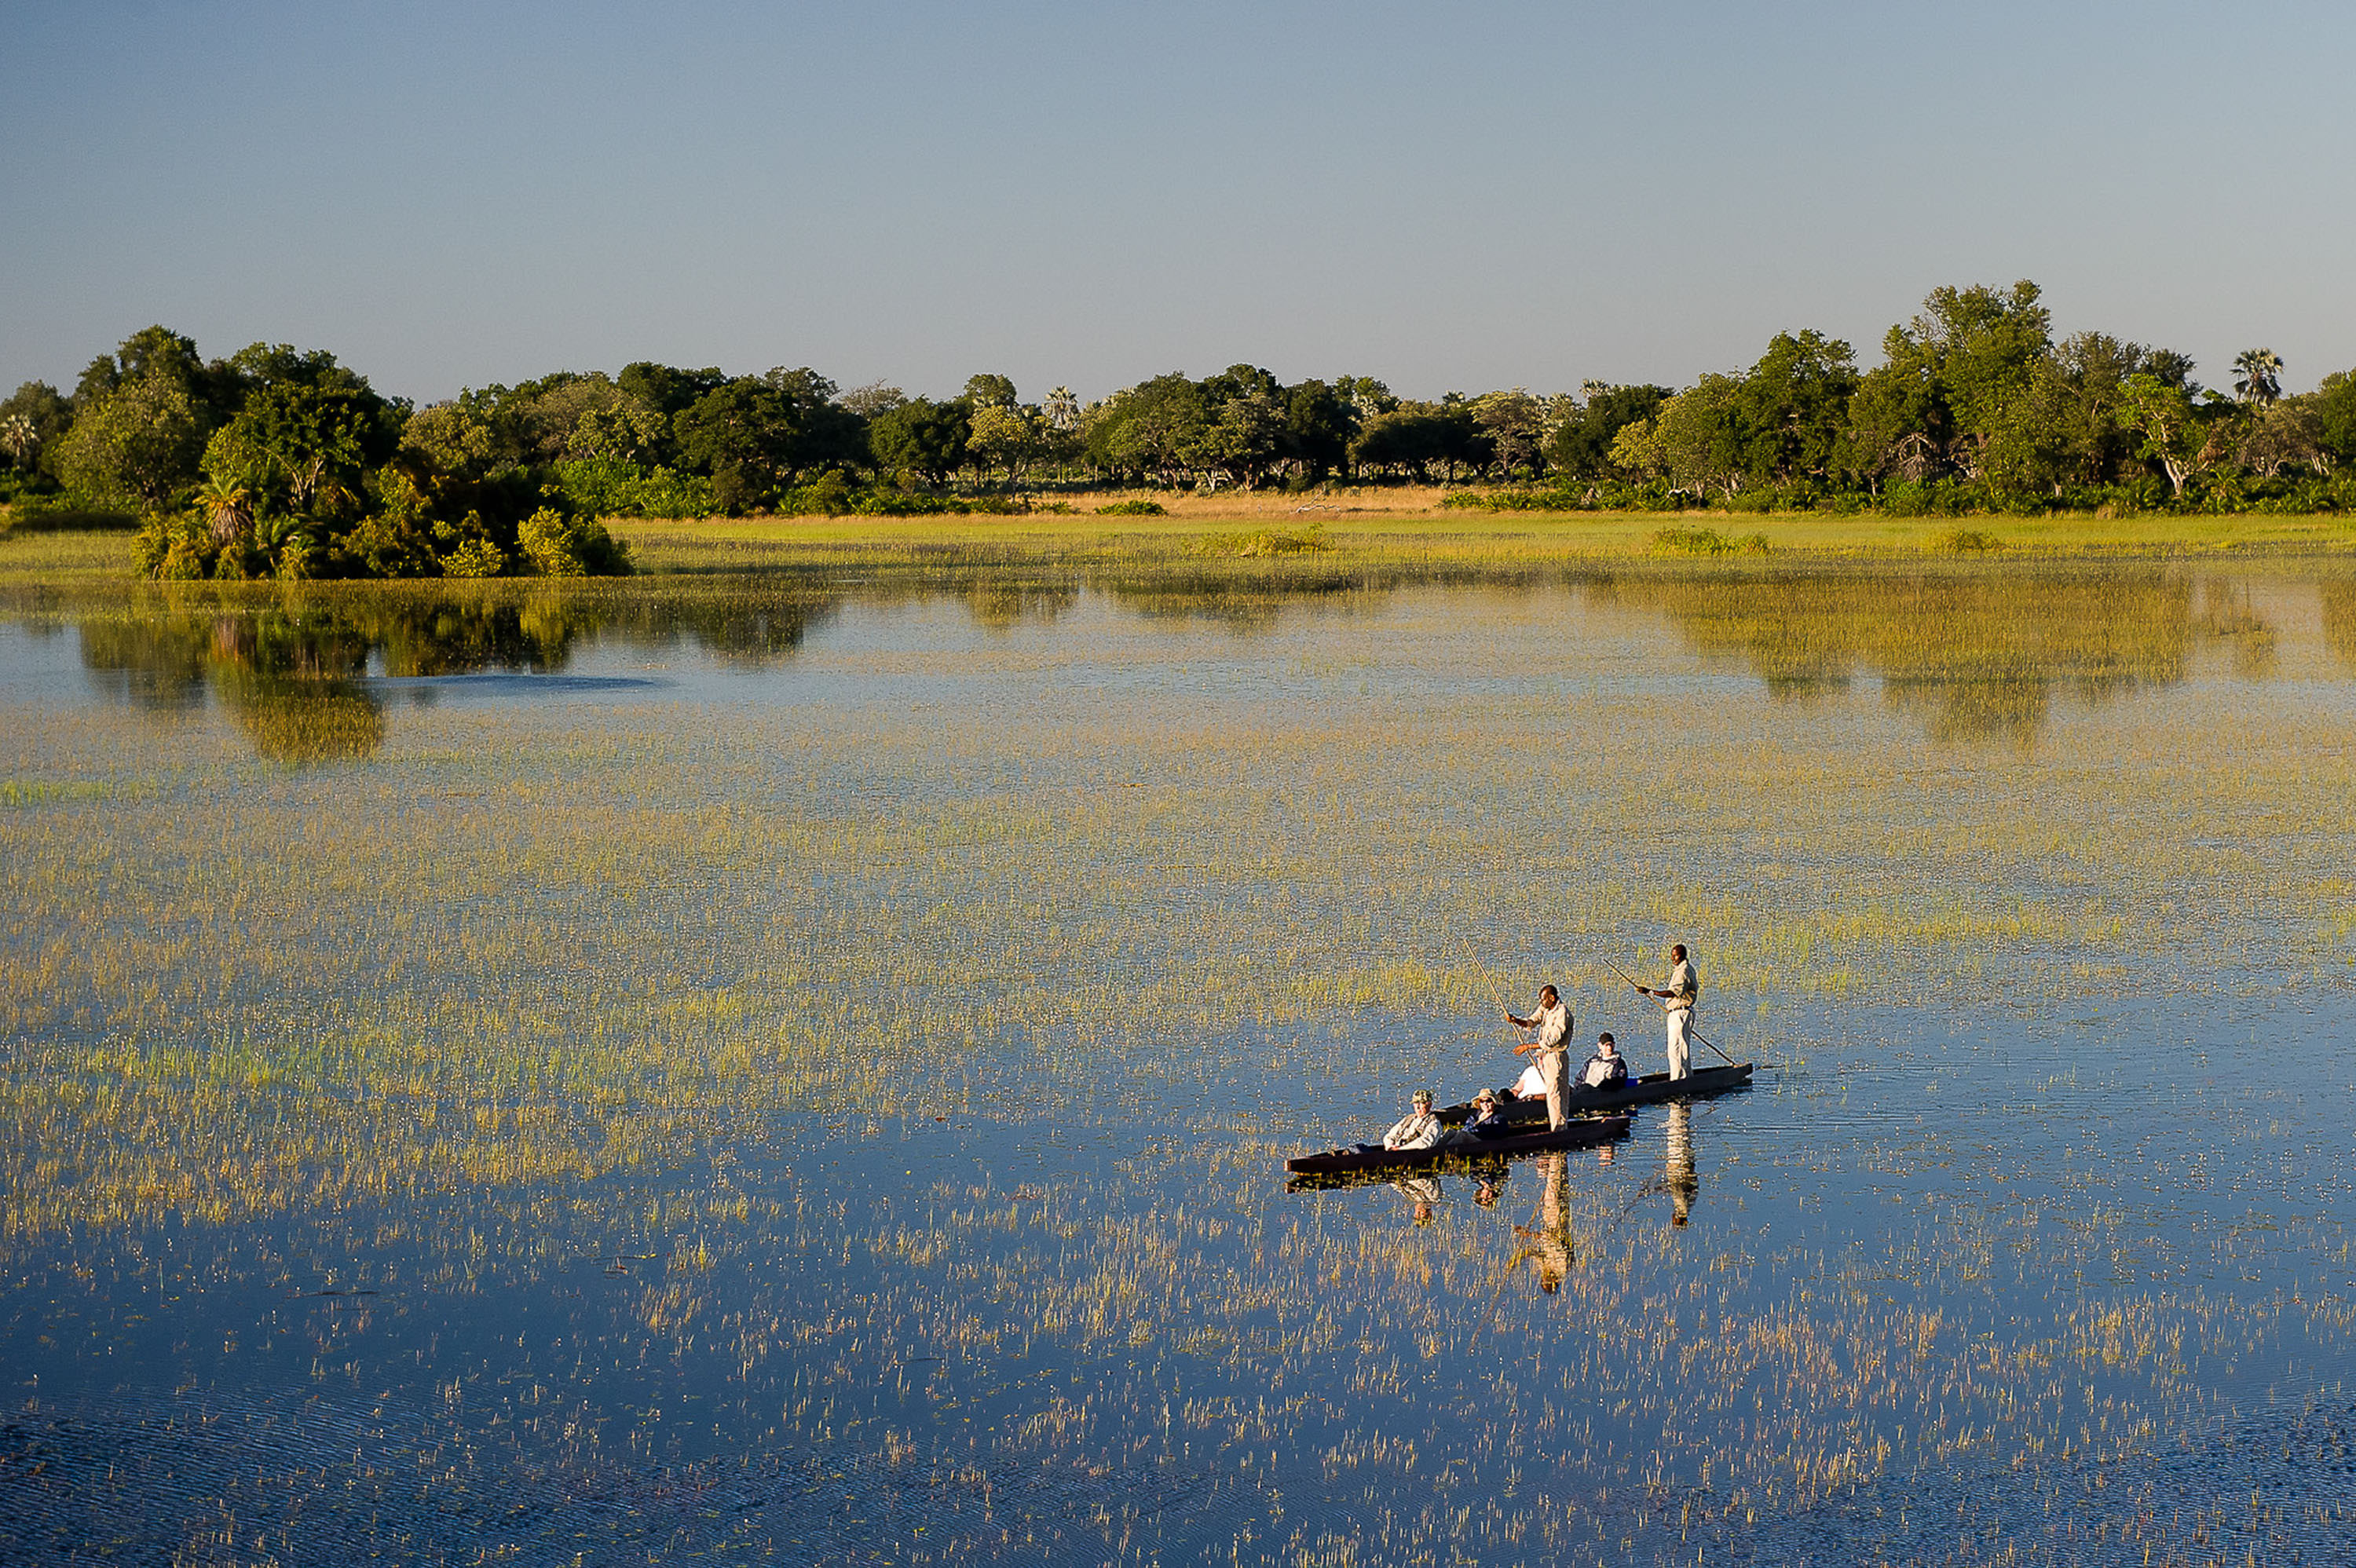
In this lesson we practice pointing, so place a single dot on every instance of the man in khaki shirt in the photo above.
(1678, 994)
(1552, 1021)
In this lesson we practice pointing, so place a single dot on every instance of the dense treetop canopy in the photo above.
(277, 460)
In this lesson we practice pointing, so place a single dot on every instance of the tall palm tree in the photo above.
(21, 436)
(2260, 371)
(227, 506)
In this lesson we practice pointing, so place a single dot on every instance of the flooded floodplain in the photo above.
(800, 1069)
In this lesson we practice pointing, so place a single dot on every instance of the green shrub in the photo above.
(1929, 498)
(1707, 541)
(737, 489)
(904, 504)
(832, 496)
(476, 557)
(1134, 509)
(1520, 499)
(1969, 541)
(1266, 542)
(615, 487)
(1691, 542)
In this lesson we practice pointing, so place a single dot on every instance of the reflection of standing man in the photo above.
(1678, 993)
(1552, 1021)
(1682, 1182)
(1549, 1244)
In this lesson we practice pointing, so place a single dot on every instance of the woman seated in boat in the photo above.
(1607, 1069)
(1486, 1122)
(1418, 1129)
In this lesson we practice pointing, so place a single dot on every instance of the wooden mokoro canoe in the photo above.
(1648, 1089)
(1577, 1134)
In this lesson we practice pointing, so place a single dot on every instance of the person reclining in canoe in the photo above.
(1607, 1069)
(1419, 1128)
(1486, 1122)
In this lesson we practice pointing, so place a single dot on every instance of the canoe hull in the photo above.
(1577, 1134)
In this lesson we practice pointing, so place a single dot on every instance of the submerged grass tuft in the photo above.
(1263, 542)
(1969, 541)
(1706, 541)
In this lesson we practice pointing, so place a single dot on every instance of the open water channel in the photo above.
(802, 1073)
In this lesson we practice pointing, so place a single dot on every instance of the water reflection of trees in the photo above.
(286, 678)
(1971, 656)
(2339, 621)
(754, 626)
(1000, 603)
(1243, 606)
(292, 667)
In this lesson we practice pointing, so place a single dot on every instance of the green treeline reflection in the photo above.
(295, 671)
(1976, 657)
(1970, 655)
(2339, 621)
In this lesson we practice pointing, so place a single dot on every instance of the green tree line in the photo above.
(279, 462)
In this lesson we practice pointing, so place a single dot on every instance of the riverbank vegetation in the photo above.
(285, 464)
(279, 464)
(1371, 535)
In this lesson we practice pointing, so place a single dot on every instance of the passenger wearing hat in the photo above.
(1486, 1120)
(1418, 1129)
(1607, 1069)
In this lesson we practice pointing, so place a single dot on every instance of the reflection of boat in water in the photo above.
(1340, 1161)
(1651, 1089)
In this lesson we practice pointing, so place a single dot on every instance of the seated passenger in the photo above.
(1418, 1129)
(1607, 1069)
(1530, 1085)
(1486, 1122)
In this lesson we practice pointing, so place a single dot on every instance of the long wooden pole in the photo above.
(1495, 994)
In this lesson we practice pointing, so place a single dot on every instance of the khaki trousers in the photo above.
(1554, 1066)
(1680, 1051)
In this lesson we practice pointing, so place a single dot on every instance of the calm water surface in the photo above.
(2030, 1243)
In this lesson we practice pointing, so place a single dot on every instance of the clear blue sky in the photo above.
(1467, 195)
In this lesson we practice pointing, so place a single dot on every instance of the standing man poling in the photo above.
(1552, 1021)
(1678, 995)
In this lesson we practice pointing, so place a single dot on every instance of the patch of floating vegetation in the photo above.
(36, 792)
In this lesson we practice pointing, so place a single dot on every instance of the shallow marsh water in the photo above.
(802, 1071)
